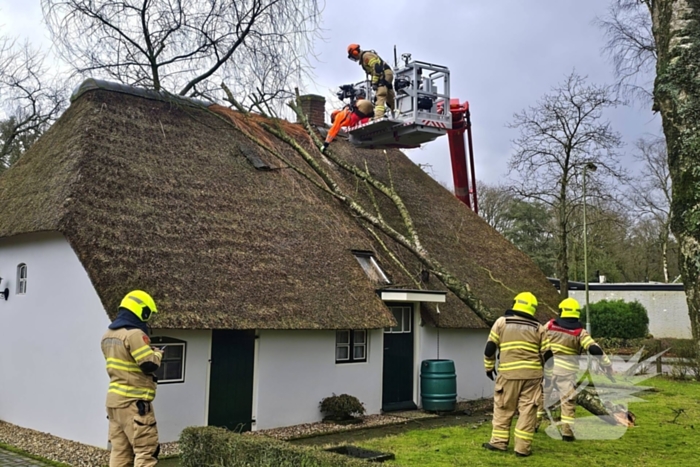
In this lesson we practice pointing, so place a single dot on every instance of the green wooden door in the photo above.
(397, 381)
(231, 379)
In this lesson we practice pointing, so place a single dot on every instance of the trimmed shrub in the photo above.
(342, 407)
(617, 318)
(217, 447)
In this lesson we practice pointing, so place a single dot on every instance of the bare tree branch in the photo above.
(31, 99)
(559, 137)
(630, 47)
(258, 47)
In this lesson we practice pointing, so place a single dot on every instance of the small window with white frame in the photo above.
(21, 279)
(402, 314)
(172, 366)
(371, 267)
(350, 346)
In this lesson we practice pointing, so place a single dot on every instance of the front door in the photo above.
(231, 379)
(397, 384)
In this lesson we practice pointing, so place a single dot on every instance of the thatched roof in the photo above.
(174, 199)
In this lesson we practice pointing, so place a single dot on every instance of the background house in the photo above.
(666, 304)
(271, 296)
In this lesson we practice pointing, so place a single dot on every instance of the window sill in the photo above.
(359, 362)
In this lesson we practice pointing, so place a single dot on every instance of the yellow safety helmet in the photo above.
(525, 302)
(139, 303)
(569, 308)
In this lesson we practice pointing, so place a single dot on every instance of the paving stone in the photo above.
(10, 459)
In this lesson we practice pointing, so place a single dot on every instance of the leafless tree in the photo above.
(631, 48)
(560, 136)
(494, 202)
(651, 192)
(676, 40)
(31, 99)
(258, 47)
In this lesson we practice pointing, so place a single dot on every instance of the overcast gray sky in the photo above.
(503, 55)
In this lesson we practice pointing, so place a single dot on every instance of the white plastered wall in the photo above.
(296, 369)
(667, 310)
(466, 348)
(179, 405)
(52, 376)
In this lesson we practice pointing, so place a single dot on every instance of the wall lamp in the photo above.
(4, 291)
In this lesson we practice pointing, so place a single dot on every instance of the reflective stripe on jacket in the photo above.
(567, 345)
(373, 65)
(124, 351)
(522, 344)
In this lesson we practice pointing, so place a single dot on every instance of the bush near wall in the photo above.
(218, 447)
(620, 319)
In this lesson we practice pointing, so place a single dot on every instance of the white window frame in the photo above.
(22, 279)
(351, 344)
(406, 315)
(171, 342)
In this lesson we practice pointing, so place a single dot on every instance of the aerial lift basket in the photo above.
(422, 90)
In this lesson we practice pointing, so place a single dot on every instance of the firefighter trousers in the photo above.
(561, 389)
(385, 95)
(566, 386)
(510, 395)
(134, 437)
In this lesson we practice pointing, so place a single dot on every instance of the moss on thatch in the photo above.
(174, 199)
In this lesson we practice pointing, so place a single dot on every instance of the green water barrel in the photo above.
(438, 385)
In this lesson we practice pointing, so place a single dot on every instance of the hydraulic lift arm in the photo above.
(461, 124)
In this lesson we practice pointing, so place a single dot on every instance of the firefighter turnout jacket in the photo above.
(567, 343)
(375, 67)
(523, 345)
(131, 364)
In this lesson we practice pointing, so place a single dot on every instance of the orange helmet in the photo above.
(354, 52)
(334, 114)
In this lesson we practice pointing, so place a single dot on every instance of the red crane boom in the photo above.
(461, 123)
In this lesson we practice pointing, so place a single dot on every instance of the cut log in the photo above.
(611, 413)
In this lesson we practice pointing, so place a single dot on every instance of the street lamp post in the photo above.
(592, 167)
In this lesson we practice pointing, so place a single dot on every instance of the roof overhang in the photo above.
(408, 295)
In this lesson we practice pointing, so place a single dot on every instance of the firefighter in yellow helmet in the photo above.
(568, 339)
(524, 349)
(131, 366)
(382, 77)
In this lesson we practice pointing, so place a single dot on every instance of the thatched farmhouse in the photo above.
(271, 295)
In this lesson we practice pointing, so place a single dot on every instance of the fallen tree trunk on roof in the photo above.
(588, 399)
(409, 238)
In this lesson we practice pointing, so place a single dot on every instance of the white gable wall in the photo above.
(52, 374)
(179, 405)
(296, 369)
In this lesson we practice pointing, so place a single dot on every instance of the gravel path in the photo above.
(52, 447)
(76, 454)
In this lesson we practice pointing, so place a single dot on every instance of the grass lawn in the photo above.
(655, 441)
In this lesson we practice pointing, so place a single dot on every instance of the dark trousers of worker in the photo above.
(134, 437)
(510, 395)
(385, 95)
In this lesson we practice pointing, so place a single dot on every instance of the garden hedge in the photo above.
(218, 447)
(620, 319)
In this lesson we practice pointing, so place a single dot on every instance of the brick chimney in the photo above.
(314, 107)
